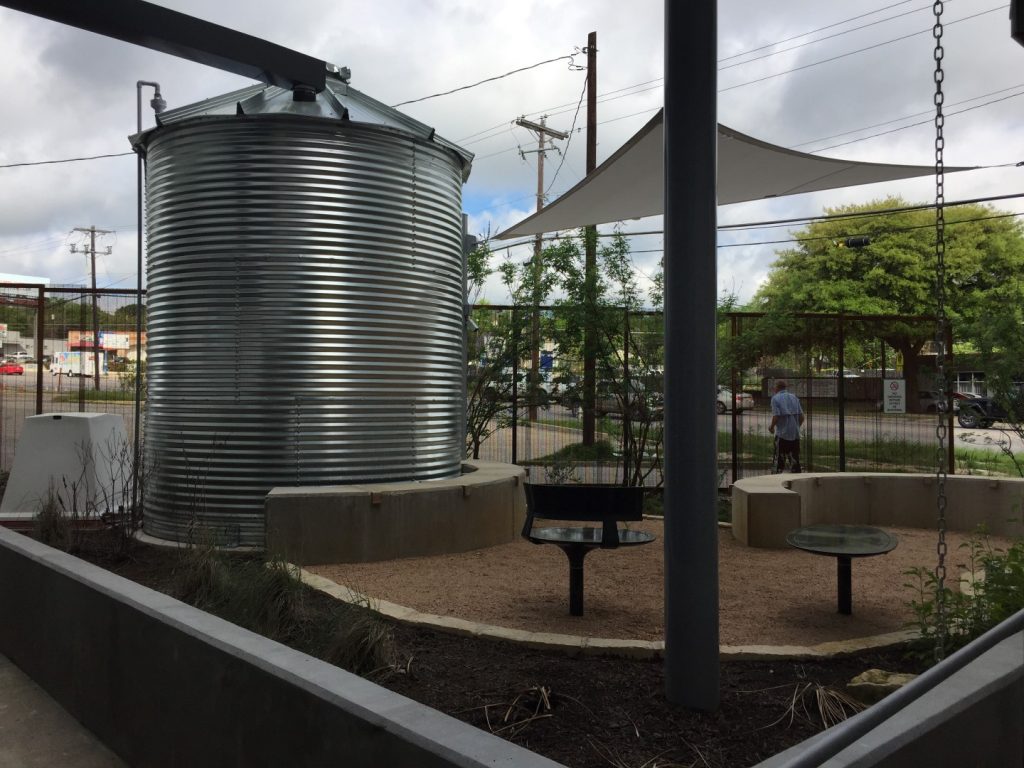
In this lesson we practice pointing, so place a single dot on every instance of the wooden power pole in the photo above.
(590, 280)
(543, 134)
(91, 252)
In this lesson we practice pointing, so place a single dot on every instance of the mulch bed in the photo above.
(593, 711)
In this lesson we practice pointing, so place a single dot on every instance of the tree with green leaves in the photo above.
(628, 347)
(895, 273)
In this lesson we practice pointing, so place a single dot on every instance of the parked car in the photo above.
(11, 369)
(980, 412)
(726, 400)
(20, 357)
(499, 387)
(644, 402)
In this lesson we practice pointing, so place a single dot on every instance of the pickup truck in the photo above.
(980, 412)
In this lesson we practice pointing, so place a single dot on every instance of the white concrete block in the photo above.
(84, 457)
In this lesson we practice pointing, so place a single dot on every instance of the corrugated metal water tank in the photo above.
(305, 300)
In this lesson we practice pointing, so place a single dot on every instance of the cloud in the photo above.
(70, 93)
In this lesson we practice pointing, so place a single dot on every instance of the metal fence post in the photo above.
(515, 385)
(735, 440)
(627, 415)
(842, 395)
(951, 458)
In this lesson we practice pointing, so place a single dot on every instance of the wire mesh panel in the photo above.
(66, 350)
(842, 368)
(526, 395)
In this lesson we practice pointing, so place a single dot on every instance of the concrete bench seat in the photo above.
(766, 508)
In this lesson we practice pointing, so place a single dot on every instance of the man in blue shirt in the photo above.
(787, 418)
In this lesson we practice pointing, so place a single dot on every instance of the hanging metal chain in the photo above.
(940, 342)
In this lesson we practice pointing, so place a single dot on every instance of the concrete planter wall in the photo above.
(164, 684)
(368, 522)
(766, 508)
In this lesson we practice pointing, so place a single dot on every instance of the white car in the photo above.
(727, 400)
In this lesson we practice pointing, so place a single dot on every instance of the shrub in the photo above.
(269, 598)
(995, 596)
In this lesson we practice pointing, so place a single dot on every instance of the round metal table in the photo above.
(843, 542)
(577, 543)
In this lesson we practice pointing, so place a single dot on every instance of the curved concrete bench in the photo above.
(766, 508)
(482, 507)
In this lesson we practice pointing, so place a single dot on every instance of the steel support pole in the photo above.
(691, 520)
(40, 335)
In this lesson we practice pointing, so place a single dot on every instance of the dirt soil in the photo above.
(592, 712)
(766, 596)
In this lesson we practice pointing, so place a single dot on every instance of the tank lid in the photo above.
(337, 101)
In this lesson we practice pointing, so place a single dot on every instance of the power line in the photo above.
(803, 219)
(497, 130)
(890, 230)
(65, 160)
(488, 80)
(822, 39)
(868, 214)
(898, 119)
(602, 122)
(914, 125)
(572, 131)
(859, 50)
(813, 31)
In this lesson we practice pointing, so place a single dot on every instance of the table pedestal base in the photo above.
(845, 579)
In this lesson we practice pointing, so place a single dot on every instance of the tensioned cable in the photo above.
(799, 220)
(572, 131)
(487, 80)
(64, 160)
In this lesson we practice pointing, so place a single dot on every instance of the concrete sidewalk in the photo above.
(35, 731)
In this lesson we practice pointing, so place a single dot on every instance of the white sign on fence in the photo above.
(894, 395)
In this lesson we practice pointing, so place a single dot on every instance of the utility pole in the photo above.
(91, 253)
(543, 132)
(590, 265)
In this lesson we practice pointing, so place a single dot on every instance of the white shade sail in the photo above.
(630, 184)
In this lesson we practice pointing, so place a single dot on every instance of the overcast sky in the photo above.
(69, 93)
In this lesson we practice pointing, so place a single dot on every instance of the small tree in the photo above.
(629, 353)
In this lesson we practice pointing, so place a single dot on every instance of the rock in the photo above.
(875, 684)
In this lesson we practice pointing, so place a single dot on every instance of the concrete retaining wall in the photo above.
(384, 521)
(974, 718)
(766, 508)
(163, 684)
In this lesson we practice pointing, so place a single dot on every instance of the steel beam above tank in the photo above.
(187, 37)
